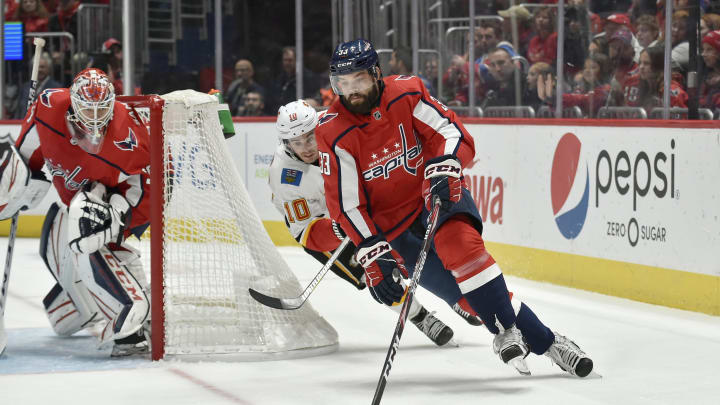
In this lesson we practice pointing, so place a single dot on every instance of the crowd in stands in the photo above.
(613, 56)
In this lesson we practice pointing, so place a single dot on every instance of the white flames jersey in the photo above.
(298, 193)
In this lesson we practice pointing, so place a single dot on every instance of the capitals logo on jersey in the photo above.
(327, 117)
(45, 97)
(128, 143)
(397, 158)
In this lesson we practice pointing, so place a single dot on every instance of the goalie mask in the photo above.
(92, 97)
(296, 123)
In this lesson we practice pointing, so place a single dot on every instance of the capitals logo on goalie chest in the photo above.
(70, 178)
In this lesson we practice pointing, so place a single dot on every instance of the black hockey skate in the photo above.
(569, 357)
(432, 327)
(471, 319)
(136, 344)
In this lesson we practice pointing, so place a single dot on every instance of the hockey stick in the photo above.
(297, 302)
(400, 327)
(39, 44)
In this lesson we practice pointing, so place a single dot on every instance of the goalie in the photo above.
(297, 186)
(96, 151)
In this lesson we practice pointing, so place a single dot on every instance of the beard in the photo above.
(366, 105)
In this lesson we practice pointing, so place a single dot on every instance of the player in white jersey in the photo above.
(298, 193)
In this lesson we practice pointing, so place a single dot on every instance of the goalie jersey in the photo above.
(122, 165)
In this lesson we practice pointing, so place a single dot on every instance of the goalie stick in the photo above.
(39, 44)
(400, 327)
(297, 302)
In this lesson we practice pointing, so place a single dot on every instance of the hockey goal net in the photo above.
(208, 246)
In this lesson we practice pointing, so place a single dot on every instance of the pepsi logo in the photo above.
(569, 186)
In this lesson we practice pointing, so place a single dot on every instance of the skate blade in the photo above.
(452, 343)
(520, 365)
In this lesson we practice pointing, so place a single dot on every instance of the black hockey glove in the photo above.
(384, 269)
(442, 178)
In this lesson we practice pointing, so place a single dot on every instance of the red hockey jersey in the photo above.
(373, 164)
(122, 164)
(678, 96)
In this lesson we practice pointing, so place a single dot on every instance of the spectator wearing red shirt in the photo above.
(645, 89)
(590, 93)
(33, 15)
(710, 89)
(543, 46)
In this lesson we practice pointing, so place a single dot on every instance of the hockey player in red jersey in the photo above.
(386, 148)
(297, 193)
(96, 151)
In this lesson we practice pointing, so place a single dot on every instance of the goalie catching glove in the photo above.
(93, 222)
(384, 269)
(442, 178)
(19, 189)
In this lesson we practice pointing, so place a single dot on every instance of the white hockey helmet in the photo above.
(92, 96)
(295, 119)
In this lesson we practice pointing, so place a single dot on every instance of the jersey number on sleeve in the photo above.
(300, 210)
(325, 163)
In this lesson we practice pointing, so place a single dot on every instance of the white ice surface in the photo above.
(646, 355)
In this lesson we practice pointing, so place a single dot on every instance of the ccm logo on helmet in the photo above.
(436, 170)
(370, 254)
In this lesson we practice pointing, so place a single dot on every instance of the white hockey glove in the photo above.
(19, 190)
(93, 223)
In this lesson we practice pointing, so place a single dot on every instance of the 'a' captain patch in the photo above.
(291, 176)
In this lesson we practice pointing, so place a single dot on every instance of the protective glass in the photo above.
(355, 82)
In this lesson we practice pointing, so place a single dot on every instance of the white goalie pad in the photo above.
(18, 189)
(68, 305)
(116, 281)
(64, 316)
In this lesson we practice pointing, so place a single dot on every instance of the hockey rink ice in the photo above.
(643, 354)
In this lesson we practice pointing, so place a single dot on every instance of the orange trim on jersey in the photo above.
(306, 233)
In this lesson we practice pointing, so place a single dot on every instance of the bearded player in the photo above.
(298, 194)
(387, 148)
(96, 153)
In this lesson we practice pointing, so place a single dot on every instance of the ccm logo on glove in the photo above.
(452, 170)
(368, 255)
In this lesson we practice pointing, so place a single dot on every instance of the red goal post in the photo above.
(208, 246)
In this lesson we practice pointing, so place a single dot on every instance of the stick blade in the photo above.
(272, 302)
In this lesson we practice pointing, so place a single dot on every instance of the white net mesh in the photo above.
(216, 248)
